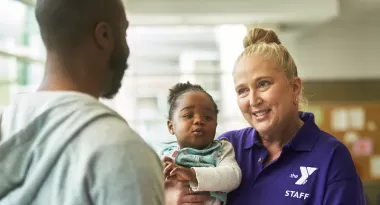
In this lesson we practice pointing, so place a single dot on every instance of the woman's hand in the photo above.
(179, 193)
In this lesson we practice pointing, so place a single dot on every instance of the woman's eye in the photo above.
(263, 83)
(242, 91)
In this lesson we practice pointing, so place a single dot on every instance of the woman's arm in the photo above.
(343, 185)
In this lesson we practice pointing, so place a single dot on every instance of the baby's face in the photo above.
(194, 121)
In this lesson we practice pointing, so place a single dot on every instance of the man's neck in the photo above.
(67, 76)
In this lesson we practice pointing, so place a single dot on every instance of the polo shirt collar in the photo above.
(304, 140)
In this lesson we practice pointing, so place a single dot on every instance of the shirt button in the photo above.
(259, 160)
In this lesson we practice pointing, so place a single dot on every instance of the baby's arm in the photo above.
(224, 178)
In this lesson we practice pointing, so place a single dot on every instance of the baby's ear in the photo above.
(170, 127)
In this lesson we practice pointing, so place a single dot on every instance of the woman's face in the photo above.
(266, 98)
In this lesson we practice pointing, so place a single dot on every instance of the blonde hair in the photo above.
(265, 42)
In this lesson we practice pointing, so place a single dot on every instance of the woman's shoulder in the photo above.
(237, 134)
(328, 141)
(335, 153)
(338, 157)
(312, 136)
(240, 138)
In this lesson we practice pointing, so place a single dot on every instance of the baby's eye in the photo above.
(188, 116)
(208, 118)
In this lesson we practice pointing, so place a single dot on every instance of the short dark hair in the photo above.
(181, 88)
(64, 24)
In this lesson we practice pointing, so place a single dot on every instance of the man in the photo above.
(60, 145)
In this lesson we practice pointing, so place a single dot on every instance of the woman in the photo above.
(284, 157)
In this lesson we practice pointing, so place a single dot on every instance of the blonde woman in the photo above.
(284, 157)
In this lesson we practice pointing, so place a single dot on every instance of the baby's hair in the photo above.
(181, 88)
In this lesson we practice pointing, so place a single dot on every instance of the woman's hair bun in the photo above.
(260, 35)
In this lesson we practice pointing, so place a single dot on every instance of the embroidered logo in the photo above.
(305, 173)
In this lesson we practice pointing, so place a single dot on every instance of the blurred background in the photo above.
(335, 44)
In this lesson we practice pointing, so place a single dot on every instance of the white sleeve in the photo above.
(225, 177)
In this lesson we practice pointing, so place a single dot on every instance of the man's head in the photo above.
(93, 31)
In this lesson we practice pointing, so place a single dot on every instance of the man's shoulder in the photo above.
(108, 130)
(94, 124)
(55, 105)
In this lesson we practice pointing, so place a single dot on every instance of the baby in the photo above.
(208, 164)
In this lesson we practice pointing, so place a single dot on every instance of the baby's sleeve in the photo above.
(224, 178)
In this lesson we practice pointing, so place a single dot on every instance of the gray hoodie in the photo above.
(66, 148)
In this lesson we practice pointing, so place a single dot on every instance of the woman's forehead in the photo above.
(255, 63)
(250, 68)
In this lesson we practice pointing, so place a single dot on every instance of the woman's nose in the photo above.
(254, 99)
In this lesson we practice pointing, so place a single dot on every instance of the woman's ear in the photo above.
(170, 127)
(297, 88)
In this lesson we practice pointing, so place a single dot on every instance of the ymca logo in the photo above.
(305, 173)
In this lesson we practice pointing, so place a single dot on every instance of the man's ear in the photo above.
(104, 36)
(170, 127)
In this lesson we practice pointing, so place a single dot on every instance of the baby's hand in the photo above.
(167, 164)
(166, 160)
(179, 173)
(183, 174)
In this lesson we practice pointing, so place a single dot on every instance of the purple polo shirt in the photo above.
(313, 169)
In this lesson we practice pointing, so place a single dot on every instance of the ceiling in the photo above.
(162, 31)
(213, 12)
